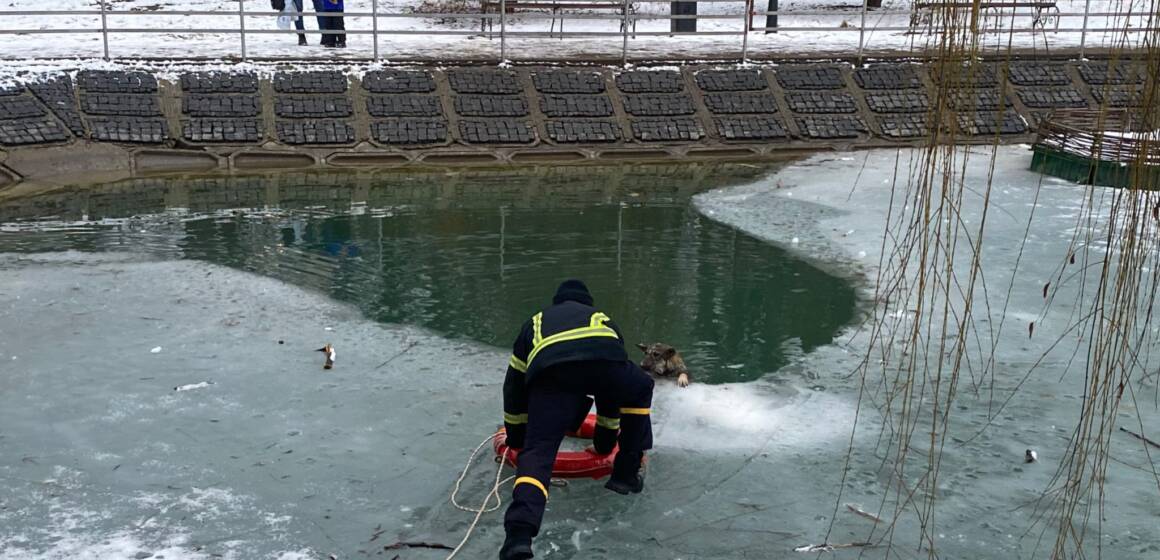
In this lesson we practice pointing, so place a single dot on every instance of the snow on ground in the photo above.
(171, 35)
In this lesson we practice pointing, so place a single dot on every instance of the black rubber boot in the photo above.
(626, 487)
(517, 545)
(301, 40)
(626, 476)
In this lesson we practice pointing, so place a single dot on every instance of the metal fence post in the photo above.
(624, 34)
(1083, 32)
(745, 31)
(862, 32)
(242, 24)
(104, 29)
(375, 26)
(502, 30)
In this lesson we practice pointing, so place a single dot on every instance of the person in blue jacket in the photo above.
(332, 23)
(563, 354)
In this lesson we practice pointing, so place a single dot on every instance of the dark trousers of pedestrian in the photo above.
(298, 24)
(323, 23)
(557, 396)
(337, 24)
(330, 23)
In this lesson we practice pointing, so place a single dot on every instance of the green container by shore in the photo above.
(1092, 171)
(1098, 147)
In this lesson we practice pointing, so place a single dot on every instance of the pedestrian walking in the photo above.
(280, 5)
(298, 24)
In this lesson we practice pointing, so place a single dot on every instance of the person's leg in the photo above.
(634, 390)
(329, 38)
(323, 21)
(623, 394)
(550, 412)
(607, 421)
(339, 25)
(298, 23)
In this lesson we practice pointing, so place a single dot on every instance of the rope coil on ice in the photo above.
(483, 508)
(493, 493)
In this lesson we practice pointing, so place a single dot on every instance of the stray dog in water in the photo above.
(662, 360)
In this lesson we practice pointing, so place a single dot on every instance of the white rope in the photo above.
(494, 493)
(483, 508)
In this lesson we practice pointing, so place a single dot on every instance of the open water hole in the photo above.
(472, 254)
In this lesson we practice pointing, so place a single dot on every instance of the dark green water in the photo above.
(473, 254)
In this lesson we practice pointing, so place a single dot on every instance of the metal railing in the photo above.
(257, 21)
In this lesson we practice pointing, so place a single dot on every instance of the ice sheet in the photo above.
(279, 457)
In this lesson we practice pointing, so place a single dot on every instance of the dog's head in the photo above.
(660, 359)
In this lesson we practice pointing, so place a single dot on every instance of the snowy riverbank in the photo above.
(885, 30)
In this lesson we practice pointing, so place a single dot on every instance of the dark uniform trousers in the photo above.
(557, 397)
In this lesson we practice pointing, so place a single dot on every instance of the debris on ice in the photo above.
(193, 386)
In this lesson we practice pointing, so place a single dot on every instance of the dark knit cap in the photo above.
(572, 290)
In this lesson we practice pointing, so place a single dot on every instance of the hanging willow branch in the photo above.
(916, 363)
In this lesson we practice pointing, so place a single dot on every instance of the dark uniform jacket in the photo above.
(569, 331)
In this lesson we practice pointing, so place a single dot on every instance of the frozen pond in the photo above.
(117, 298)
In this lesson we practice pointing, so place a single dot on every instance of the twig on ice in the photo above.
(402, 544)
(829, 547)
(1140, 437)
(863, 513)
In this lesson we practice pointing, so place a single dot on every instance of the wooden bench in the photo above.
(1041, 11)
(514, 6)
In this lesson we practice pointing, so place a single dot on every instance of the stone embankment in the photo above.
(101, 125)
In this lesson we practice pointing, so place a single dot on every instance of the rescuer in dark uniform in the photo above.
(563, 354)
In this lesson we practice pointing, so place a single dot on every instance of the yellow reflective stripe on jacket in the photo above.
(533, 482)
(608, 423)
(537, 336)
(598, 319)
(640, 411)
(574, 334)
(518, 364)
(515, 418)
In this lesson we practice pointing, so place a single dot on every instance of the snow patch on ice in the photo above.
(209, 503)
(304, 554)
(98, 546)
(749, 416)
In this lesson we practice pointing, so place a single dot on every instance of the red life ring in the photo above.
(569, 464)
